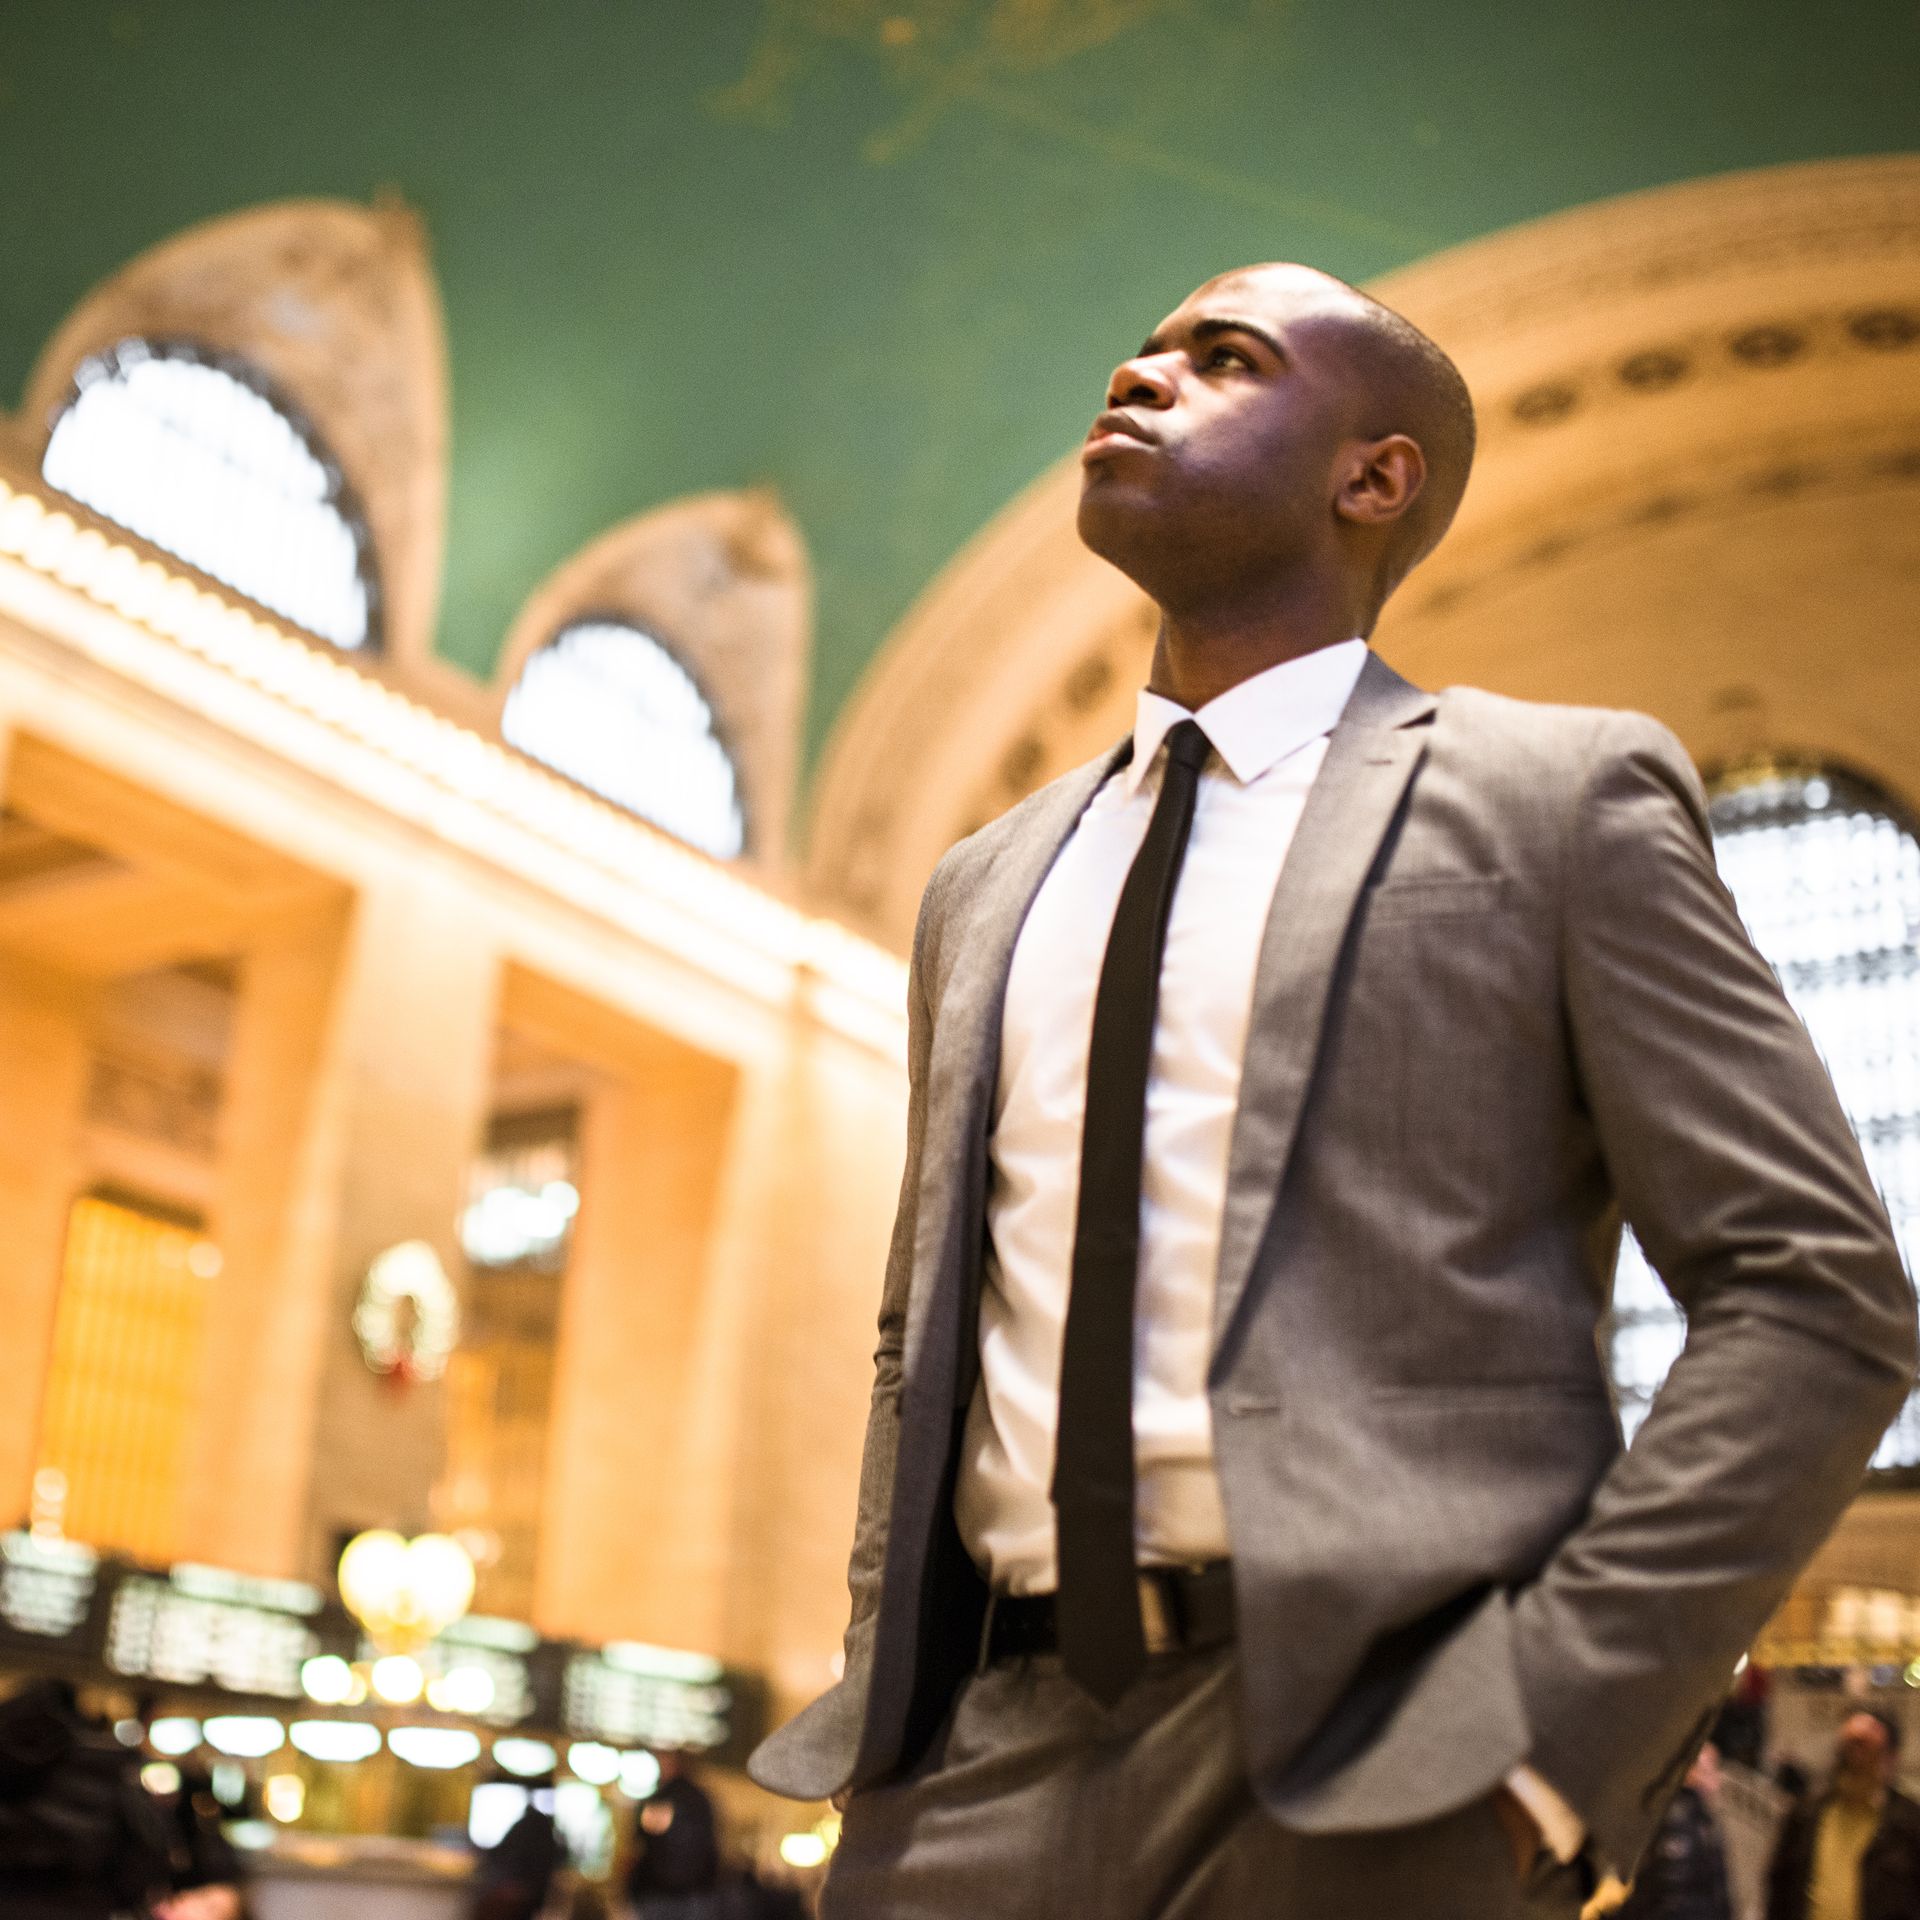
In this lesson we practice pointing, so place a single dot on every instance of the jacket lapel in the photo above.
(1370, 759)
(963, 1065)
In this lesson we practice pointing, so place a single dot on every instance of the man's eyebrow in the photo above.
(1210, 328)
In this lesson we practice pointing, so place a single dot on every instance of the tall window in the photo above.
(606, 704)
(128, 1342)
(192, 453)
(1827, 877)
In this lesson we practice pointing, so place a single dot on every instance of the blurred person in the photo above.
(1852, 1853)
(516, 1874)
(1684, 1873)
(1243, 1524)
(1794, 1785)
(674, 1866)
(585, 1901)
(203, 1869)
(80, 1837)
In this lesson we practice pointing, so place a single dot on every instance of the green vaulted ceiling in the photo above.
(878, 254)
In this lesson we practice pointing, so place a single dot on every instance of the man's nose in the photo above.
(1144, 381)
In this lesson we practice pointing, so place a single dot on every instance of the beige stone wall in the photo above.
(375, 907)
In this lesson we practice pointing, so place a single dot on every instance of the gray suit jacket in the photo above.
(1503, 999)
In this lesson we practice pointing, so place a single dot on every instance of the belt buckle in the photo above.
(1158, 1625)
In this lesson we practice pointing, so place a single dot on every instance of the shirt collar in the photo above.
(1256, 725)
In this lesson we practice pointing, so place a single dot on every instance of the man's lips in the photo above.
(1116, 431)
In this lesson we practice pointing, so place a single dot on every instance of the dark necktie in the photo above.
(1097, 1608)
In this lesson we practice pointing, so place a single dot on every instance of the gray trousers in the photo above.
(1035, 1803)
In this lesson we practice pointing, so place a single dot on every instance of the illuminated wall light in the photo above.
(492, 1809)
(398, 1680)
(335, 1742)
(639, 1774)
(516, 1754)
(285, 1797)
(405, 1592)
(598, 1765)
(436, 1747)
(161, 1777)
(662, 1663)
(246, 1736)
(803, 1850)
(329, 1680)
(461, 1690)
(174, 1734)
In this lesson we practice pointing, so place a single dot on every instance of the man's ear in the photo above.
(1384, 481)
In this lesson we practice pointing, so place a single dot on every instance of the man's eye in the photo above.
(1227, 356)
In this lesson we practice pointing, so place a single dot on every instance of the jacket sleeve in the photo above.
(812, 1755)
(883, 1415)
(1734, 1163)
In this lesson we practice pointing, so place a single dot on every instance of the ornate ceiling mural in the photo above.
(934, 54)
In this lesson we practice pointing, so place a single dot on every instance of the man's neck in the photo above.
(1203, 652)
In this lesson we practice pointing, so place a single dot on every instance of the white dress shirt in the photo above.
(1269, 737)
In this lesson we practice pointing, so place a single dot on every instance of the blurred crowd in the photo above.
(89, 1831)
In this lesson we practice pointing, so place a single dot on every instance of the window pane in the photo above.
(1827, 879)
(607, 705)
(190, 454)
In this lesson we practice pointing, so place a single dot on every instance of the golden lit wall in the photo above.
(327, 943)
(124, 1377)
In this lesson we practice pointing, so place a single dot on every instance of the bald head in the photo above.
(1280, 438)
(1397, 381)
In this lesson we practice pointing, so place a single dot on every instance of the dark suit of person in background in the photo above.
(1317, 1147)
(1683, 1875)
(1853, 1853)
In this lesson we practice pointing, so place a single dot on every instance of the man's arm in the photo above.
(883, 1415)
(812, 1755)
(1734, 1163)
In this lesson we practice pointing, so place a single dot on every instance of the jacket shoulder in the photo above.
(1540, 747)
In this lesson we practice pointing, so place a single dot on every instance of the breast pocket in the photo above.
(1437, 897)
(1453, 1008)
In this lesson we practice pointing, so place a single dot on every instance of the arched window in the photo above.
(191, 452)
(1826, 874)
(606, 704)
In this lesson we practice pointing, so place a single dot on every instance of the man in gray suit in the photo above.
(1244, 1527)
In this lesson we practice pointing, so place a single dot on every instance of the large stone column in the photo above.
(815, 1175)
(44, 1020)
(638, 1480)
(244, 1495)
(356, 1099)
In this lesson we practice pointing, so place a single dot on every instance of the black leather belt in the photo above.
(1182, 1609)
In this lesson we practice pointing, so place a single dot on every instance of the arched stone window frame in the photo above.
(723, 581)
(335, 305)
(342, 496)
(601, 619)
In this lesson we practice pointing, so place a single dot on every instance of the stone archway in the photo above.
(1696, 495)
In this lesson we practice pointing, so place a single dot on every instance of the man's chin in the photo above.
(1117, 523)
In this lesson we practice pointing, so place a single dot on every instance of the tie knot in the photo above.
(1188, 745)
